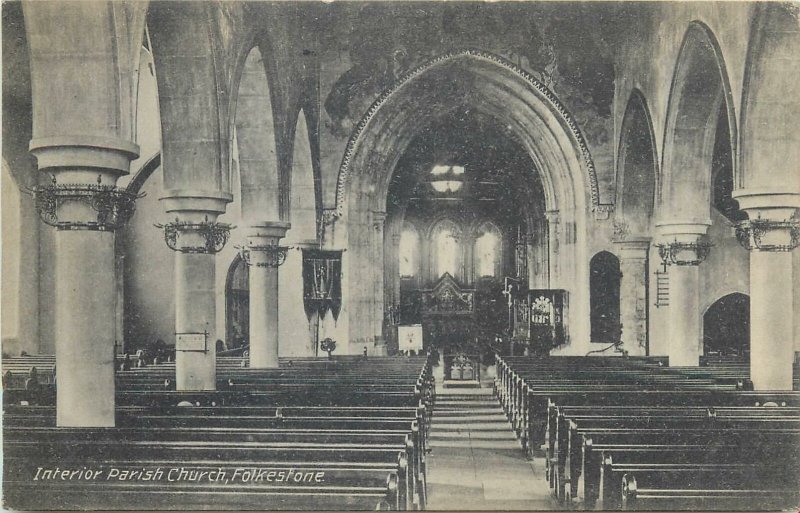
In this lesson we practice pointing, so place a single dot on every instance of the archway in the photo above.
(695, 134)
(700, 89)
(604, 286)
(637, 170)
(237, 302)
(496, 88)
(255, 138)
(726, 326)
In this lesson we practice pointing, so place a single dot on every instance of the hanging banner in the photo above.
(322, 282)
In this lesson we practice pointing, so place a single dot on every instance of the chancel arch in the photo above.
(493, 87)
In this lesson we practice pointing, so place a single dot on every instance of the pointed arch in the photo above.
(477, 80)
(700, 88)
(487, 250)
(637, 169)
(303, 204)
(509, 93)
(770, 141)
(446, 255)
(256, 142)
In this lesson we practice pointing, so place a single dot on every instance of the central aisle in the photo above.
(476, 462)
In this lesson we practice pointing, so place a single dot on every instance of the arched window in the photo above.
(487, 254)
(604, 281)
(409, 252)
(446, 252)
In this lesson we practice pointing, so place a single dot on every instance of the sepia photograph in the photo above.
(360, 255)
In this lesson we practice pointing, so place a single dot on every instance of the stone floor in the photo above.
(476, 462)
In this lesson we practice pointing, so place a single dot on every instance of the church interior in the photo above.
(392, 255)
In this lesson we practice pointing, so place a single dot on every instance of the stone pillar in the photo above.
(553, 220)
(84, 205)
(264, 256)
(633, 295)
(684, 249)
(378, 222)
(770, 234)
(196, 237)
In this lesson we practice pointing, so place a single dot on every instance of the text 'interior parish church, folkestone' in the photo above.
(400, 255)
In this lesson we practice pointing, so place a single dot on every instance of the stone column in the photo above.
(770, 234)
(684, 249)
(196, 237)
(264, 256)
(84, 205)
(553, 220)
(378, 222)
(633, 295)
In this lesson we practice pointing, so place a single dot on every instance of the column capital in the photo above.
(683, 243)
(552, 216)
(377, 218)
(633, 249)
(765, 201)
(196, 205)
(84, 206)
(84, 152)
(772, 223)
(768, 235)
(82, 193)
(267, 232)
(200, 237)
(263, 248)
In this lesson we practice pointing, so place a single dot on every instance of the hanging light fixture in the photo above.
(446, 177)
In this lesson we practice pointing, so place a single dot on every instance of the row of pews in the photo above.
(633, 433)
(313, 434)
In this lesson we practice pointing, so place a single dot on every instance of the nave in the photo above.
(547, 433)
(585, 214)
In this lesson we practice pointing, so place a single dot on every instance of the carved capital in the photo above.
(196, 237)
(603, 211)
(621, 231)
(268, 255)
(685, 253)
(768, 235)
(327, 218)
(378, 220)
(74, 206)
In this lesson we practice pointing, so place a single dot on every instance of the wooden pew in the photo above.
(349, 422)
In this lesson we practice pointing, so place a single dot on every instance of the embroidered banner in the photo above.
(322, 282)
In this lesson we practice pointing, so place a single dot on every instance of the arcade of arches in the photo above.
(640, 159)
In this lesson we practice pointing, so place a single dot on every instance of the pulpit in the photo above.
(538, 317)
